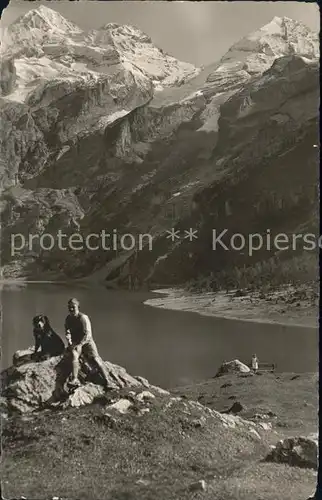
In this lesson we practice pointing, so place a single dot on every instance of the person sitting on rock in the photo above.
(80, 341)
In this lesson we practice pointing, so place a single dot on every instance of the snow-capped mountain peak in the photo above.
(283, 33)
(44, 18)
(280, 37)
(36, 27)
(43, 32)
(136, 47)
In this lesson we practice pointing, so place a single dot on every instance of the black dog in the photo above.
(45, 338)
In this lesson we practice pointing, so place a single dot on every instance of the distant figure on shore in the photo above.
(80, 341)
(254, 363)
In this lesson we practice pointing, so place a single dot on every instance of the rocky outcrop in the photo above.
(7, 76)
(31, 213)
(226, 421)
(296, 451)
(31, 385)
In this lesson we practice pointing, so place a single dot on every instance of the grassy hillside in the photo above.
(91, 453)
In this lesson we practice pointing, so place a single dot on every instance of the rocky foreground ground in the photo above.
(237, 436)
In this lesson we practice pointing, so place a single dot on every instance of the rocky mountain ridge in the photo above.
(98, 129)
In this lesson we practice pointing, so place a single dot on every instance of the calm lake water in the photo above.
(169, 348)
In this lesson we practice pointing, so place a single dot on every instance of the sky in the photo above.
(196, 32)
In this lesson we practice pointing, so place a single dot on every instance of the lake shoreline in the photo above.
(221, 305)
(224, 305)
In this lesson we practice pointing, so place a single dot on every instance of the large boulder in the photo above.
(297, 451)
(234, 366)
(30, 385)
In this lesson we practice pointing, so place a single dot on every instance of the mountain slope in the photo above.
(71, 82)
(211, 149)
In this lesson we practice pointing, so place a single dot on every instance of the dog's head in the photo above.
(40, 322)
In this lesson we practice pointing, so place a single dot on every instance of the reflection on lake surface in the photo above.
(167, 347)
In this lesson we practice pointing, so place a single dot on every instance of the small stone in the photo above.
(122, 405)
(85, 395)
(143, 411)
(23, 356)
(296, 451)
(159, 390)
(255, 433)
(198, 422)
(198, 486)
(267, 426)
(236, 408)
(143, 381)
(228, 420)
(144, 482)
(228, 384)
(145, 395)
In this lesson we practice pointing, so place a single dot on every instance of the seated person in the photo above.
(80, 340)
